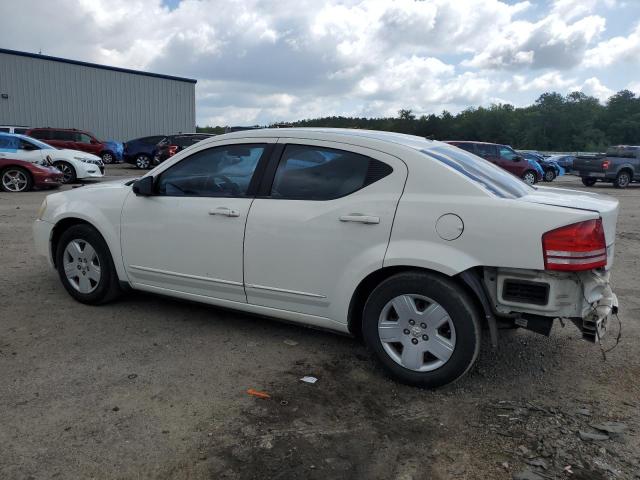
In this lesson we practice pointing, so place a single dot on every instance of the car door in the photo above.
(188, 236)
(511, 161)
(86, 143)
(30, 152)
(488, 151)
(321, 223)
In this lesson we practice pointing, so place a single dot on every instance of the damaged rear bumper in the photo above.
(533, 299)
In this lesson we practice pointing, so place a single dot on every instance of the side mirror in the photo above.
(143, 187)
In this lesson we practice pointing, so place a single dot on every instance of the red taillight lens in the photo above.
(580, 246)
(605, 164)
(173, 149)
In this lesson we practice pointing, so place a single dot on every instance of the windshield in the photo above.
(37, 143)
(493, 178)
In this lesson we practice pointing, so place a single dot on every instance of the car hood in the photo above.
(68, 153)
(607, 207)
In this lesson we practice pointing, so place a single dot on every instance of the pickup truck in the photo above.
(620, 166)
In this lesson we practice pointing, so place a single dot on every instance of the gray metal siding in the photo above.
(111, 104)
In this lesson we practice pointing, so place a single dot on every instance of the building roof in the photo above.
(94, 65)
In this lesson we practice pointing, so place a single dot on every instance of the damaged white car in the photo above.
(412, 244)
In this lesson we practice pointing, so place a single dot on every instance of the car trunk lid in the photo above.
(607, 207)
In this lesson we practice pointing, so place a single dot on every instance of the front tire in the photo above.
(423, 328)
(529, 177)
(588, 182)
(623, 179)
(15, 180)
(85, 266)
(143, 161)
(68, 172)
(108, 158)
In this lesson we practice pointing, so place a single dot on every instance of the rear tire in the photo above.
(623, 179)
(85, 266)
(588, 182)
(549, 176)
(15, 180)
(68, 172)
(443, 338)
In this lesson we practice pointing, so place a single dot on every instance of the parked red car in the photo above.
(72, 139)
(504, 156)
(19, 176)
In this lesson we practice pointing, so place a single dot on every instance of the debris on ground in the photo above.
(309, 379)
(291, 343)
(610, 427)
(258, 394)
(592, 437)
(527, 474)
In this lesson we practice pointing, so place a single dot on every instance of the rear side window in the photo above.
(21, 131)
(63, 135)
(151, 140)
(466, 146)
(484, 150)
(317, 173)
(42, 134)
(4, 129)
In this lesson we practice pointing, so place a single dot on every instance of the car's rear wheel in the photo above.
(16, 179)
(85, 265)
(143, 161)
(68, 172)
(107, 158)
(423, 328)
(549, 176)
(588, 182)
(529, 177)
(623, 179)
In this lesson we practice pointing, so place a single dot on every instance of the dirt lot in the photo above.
(150, 387)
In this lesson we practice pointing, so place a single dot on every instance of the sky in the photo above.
(263, 61)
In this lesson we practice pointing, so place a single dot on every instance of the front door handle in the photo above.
(360, 218)
(225, 211)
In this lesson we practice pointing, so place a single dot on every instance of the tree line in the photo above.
(574, 122)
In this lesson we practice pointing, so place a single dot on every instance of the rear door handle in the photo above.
(225, 211)
(360, 218)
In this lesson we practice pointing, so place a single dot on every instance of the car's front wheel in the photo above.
(423, 328)
(623, 179)
(16, 179)
(85, 265)
(107, 158)
(588, 182)
(529, 177)
(68, 172)
(143, 161)
(549, 176)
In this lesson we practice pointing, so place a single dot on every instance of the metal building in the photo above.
(113, 103)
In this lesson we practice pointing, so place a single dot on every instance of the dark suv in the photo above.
(172, 144)
(504, 156)
(73, 139)
(620, 166)
(141, 151)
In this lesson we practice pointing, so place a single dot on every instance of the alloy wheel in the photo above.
(623, 180)
(67, 172)
(416, 332)
(81, 266)
(529, 178)
(15, 180)
(142, 162)
(107, 158)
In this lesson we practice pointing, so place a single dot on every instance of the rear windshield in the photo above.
(496, 180)
(623, 151)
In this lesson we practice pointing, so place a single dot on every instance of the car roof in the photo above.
(473, 141)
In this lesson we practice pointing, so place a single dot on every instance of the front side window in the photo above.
(507, 153)
(485, 150)
(24, 145)
(4, 129)
(151, 140)
(83, 138)
(317, 173)
(216, 172)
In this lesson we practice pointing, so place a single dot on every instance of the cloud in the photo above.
(615, 50)
(594, 87)
(258, 61)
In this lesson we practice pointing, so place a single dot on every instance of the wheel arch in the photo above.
(15, 165)
(65, 223)
(628, 168)
(375, 278)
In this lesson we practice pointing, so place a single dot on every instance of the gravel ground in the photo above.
(151, 387)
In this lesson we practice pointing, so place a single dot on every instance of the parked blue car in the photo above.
(141, 151)
(550, 168)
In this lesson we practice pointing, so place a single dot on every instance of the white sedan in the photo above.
(74, 164)
(412, 244)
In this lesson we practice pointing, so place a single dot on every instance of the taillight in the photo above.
(605, 164)
(580, 246)
(173, 149)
